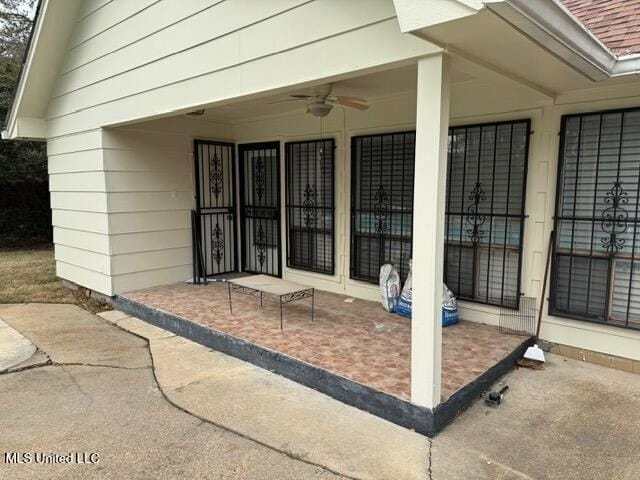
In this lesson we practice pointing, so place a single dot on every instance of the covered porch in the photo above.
(324, 202)
(349, 338)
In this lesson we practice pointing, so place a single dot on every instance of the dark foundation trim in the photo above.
(406, 414)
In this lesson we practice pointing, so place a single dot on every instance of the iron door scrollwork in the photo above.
(215, 207)
(260, 208)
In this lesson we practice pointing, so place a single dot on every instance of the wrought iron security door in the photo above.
(260, 207)
(215, 209)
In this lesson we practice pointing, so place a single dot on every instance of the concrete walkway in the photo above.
(275, 411)
(157, 405)
(15, 348)
(97, 392)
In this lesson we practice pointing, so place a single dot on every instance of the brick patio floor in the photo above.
(354, 338)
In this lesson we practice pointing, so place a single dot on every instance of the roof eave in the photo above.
(552, 26)
(11, 130)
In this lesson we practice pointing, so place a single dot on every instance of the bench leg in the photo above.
(313, 302)
(230, 306)
(281, 313)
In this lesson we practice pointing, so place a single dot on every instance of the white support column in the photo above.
(432, 123)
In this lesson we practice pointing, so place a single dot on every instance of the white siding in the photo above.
(79, 210)
(129, 190)
(148, 177)
(131, 60)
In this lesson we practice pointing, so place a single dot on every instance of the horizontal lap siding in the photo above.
(155, 35)
(90, 6)
(126, 193)
(79, 209)
(149, 184)
(155, 60)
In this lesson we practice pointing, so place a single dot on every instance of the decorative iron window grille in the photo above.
(484, 222)
(595, 274)
(310, 205)
(382, 172)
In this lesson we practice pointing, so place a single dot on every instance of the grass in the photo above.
(28, 275)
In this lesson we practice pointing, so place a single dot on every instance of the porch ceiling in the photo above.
(372, 87)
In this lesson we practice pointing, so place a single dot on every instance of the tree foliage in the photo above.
(24, 201)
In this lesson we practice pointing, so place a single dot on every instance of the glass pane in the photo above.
(581, 285)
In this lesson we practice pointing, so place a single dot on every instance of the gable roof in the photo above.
(616, 23)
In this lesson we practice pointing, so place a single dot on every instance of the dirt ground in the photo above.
(28, 275)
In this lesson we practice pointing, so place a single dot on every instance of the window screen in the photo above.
(596, 271)
(484, 220)
(310, 205)
(381, 203)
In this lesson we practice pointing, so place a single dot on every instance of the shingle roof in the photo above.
(616, 23)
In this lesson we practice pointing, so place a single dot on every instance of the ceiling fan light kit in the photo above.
(320, 109)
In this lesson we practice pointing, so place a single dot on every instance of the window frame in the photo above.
(552, 309)
(332, 208)
(522, 216)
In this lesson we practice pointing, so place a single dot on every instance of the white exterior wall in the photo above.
(149, 179)
(79, 210)
(540, 207)
(393, 114)
(470, 103)
(120, 198)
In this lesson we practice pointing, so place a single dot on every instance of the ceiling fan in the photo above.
(319, 101)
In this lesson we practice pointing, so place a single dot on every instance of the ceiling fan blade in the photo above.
(285, 101)
(351, 99)
(349, 103)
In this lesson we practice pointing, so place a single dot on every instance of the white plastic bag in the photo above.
(405, 302)
(389, 287)
(448, 300)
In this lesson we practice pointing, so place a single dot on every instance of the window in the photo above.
(596, 271)
(484, 220)
(310, 205)
(381, 203)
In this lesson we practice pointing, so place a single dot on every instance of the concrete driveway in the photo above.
(154, 405)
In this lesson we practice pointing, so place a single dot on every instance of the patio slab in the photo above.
(356, 339)
(354, 351)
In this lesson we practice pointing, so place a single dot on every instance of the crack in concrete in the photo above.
(164, 395)
(51, 363)
(99, 365)
(179, 388)
(74, 380)
(430, 459)
(289, 454)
